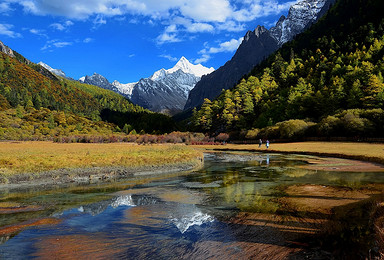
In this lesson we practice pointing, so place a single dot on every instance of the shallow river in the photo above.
(230, 208)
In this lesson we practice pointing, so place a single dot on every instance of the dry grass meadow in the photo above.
(24, 157)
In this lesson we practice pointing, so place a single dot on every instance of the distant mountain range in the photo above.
(165, 91)
(256, 46)
(186, 85)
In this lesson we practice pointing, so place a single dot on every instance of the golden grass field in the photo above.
(24, 157)
(362, 151)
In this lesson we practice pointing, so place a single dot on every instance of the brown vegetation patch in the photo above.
(4, 231)
(18, 209)
(75, 247)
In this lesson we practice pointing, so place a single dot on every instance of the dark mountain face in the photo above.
(256, 46)
(98, 80)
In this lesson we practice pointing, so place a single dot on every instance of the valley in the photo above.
(276, 154)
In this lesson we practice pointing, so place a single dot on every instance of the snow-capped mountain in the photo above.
(98, 80)
(57, 72)
(166, 90)
(300, 16)
(184, 65)
(101, 81)
(124, 89)
(255, 47)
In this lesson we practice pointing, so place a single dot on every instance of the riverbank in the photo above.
(356, 151)
(26, 163)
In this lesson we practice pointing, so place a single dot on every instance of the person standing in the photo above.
(260, 143)
(267, 144)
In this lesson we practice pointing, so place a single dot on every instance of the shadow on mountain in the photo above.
(148, 122)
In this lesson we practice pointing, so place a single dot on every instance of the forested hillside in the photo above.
(330, 79)
(40, 97)
(22, 85)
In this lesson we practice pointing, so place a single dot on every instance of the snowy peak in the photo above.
(124, 89)
(165, 91)
(57, 72)
(159, 75)
(97, 80)
(187, 67)
(300, 16)
(184, 65)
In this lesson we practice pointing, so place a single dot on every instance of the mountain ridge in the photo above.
(166, 90)
(255, 47)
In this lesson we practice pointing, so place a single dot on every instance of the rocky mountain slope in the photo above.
(5, 49)
(165, 91)
(57, 72)
(256, 46)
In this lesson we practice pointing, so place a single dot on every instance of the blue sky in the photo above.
(126, 40)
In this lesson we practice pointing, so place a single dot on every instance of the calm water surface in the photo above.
(157, 217)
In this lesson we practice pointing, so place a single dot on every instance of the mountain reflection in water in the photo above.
(240, 205)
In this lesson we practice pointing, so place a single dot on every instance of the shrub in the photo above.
(222, 137)
(293, 128)
(328, 126)
(355, 125)
(270, 132)
(252, 134)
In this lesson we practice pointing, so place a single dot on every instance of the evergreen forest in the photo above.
(327, 82)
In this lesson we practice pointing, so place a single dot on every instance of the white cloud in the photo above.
(231, 26)
(88, 40)
(5, 8)
(207, 11)
(62, 44)
(55, 44)
(180, 17)
(204, 58)
(6, 29)
(38, 32)
(99, 20)
(35, 31)
(167, 37)
(190, 26)
(200, 27)
(168, 57)
(227, 46)
(199, 11)
(73, 9)
(259, 8)
(61, 26)
(58, 26)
